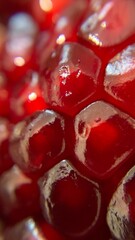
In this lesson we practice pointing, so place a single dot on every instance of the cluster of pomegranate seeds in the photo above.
(67, 120)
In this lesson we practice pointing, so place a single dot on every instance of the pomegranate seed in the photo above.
(19, 195)
(38, 140)
(121, 211)
(5, 131)
(106, 25)
(104, 138)
(63, 30)
(70, 18)
(119, 80)
(75, 215)
(26, 97)
(26, 229)
(45, 12)
(16, 57)
(22, 24)
(70, 70)
(58, 6)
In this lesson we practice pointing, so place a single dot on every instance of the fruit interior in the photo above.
(67, 119)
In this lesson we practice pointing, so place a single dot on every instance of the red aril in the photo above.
(121, 210)
(46, 11)
(64, 29)
(69, 201)
(26, 97)
(119, 82)
(18, 50)
(104, 138)
(26, 229)
(106, 25)
(19, 196)
(38, 141)
(5, 158)
(71, 69)
(31, 229)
